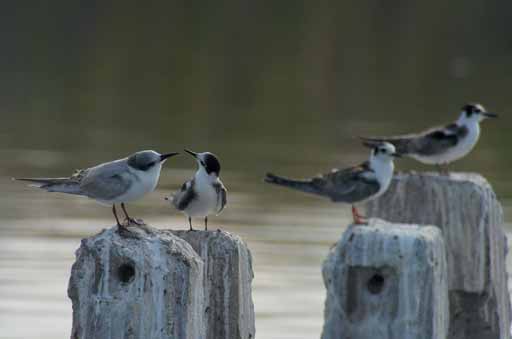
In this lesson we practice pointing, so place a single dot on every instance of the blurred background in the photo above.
(285, 86)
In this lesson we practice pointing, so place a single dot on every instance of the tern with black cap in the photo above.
(116, 182)
(351, 185)
(205, 193)
(441, 145)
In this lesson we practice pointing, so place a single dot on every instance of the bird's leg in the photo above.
(115, 215)
(206, 223)
(128, 218)
(190, 223)
(358, 218)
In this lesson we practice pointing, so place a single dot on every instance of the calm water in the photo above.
(280, 86)
(289, 235)
(288, 242)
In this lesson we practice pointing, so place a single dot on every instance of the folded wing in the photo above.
(107, 181)
(184, 196)
(348, 185)
(429, 142)
(221, 196)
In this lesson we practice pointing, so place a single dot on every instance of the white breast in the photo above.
(205, 202)
(465, 145)
(384, 173)
(143, 182)
(461, 149)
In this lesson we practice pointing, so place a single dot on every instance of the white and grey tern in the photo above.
(351, 185)
(115, 182)
(441, 145)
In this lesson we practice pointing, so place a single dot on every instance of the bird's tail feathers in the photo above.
(63, 185)
(308, 185)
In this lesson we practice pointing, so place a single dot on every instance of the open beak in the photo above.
(489, 115)
(396, 155)
(167, 155)
(194, 154)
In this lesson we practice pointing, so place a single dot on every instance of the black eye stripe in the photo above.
(142, 161)
(148, 166)
(471, 109)
(211, 163)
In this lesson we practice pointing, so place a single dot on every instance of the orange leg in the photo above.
(358, 218)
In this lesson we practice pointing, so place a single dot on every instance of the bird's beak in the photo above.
(396, 155)
(489, 115)
(194, 154)
(167, 155)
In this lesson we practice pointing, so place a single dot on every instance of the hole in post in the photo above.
(126, 272)
(376, 284)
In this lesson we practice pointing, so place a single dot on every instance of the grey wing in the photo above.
(221, 196)
(107, 181)
(429, 142)
(185, 195)
(349, 185)
(437, 140)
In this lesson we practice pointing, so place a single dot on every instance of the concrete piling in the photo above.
(465, 208)
(227, 283)
(386, 281)
(146, 283)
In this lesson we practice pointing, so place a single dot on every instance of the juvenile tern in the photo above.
(111, 183)
(442, 145)
(204, 194)
(351, 185)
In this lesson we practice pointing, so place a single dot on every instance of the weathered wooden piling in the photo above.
(466, 209)
(147, 283)
(386, 281)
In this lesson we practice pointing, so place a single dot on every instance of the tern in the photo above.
(442, 145)
(351, 185)
(205, 193)
(116, 182)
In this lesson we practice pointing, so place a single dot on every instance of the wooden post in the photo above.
(386, 281)
(466, 209)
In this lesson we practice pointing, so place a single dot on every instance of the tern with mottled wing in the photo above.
(352, 185)
(115, 182)
(205, 193)
(441, 145)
